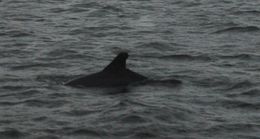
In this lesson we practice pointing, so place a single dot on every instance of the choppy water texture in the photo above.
(213, 46)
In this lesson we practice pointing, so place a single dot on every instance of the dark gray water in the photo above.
(213, 46)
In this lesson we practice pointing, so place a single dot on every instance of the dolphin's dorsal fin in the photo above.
(118, 63)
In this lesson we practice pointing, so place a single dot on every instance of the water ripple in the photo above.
(232, 104)
(242, 56)
(249, 93)
(44, 103)
(86, 132)
(239, 29)
(16, 33)
(78, 113)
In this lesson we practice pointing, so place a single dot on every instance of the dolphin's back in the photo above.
(115, 74)
(108, 79)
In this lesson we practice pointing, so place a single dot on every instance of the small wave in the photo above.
(92, 30)
(58, 95)
(31, 65)
(234, 127)
(253, 92)
(6, 121)
(240, 85)
(254, 12)
(59, 53)
(8, 103)
(145, 134)
(131, 119)
(24, 94)
(16, 33)
(212, 81)
(107, 10)
(49, 137)
(36, 103)
(78, 10)
(86, 132)
(166, 82)
(187, 57)
(11, 133)
(78, 113)
(87, 5)
(26, 18)
(112, 8)
(157, 45)
(246, 136)
(239, 29)
(44, 103)
(57, 10)
(242, 56)
(249, 93)
(52, 79)
(42, 118)
(231, 104)
(14, 53)
(15, 87)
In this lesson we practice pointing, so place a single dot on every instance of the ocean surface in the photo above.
(212, 46)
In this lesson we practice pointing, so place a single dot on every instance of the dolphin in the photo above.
(115, 74)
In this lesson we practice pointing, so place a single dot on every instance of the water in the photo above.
(213, 47)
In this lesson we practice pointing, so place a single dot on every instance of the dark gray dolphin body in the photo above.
(115, 74)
